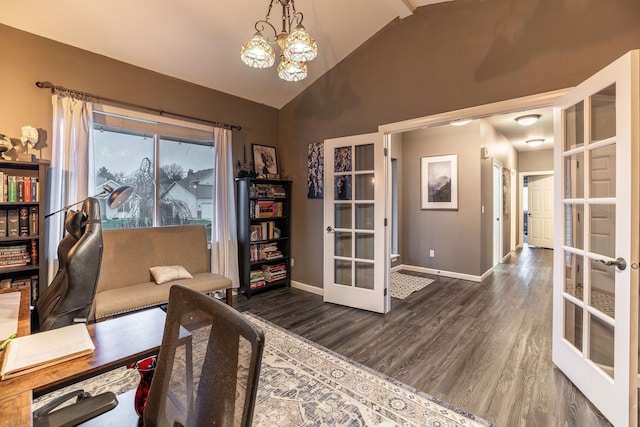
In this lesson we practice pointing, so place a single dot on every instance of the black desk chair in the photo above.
(70, 295)
(208, 365)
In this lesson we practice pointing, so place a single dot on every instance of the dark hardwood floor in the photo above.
(484, 347)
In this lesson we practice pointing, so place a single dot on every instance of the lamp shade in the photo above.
(300, 46)
(257, 52)
(119, 196)
(292, 71)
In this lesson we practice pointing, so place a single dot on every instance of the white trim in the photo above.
(307, 288)
(546, 99)
(452, 274)
(505, 258)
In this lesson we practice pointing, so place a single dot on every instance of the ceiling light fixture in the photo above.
(527, 120)
(297, 47)
(460, 122)
(535, 142)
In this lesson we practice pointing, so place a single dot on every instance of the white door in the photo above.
(595, 285)
(354, 222)
(540, 217)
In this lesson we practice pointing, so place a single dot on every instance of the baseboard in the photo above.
(308, 288)
(452, 274)
(506, 257)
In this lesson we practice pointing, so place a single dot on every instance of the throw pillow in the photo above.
(167, 273)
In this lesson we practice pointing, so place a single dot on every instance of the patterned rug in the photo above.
(303, 384)
(403, 285)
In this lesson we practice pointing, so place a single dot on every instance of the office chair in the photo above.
(208, 366)
(70, 295)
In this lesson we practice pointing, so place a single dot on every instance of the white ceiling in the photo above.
(199, 40)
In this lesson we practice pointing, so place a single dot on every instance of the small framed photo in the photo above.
(439, 182)
(265, 160)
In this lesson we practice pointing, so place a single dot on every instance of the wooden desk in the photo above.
(118, 342)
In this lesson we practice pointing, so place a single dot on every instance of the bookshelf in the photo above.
(22, 241)
(264, 239)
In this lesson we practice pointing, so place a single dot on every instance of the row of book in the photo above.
(21, 221)
(18, 282)
(266, 275)
(266, 209)
(267, 190)
(266, 230)
(17, 188)
(19, 255)
(264, 251)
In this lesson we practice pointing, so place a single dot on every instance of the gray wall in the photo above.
(446, 57)
(27, 58)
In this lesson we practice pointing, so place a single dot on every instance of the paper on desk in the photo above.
(9, 311)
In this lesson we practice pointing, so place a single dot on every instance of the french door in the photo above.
(595, 298)
(354, 222)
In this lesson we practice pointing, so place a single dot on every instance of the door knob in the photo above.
(329, 229)
(620, 263)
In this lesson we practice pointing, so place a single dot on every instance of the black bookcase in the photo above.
(264, 234)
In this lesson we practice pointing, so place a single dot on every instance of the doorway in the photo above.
(497, 214)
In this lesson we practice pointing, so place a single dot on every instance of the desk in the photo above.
(118, 342)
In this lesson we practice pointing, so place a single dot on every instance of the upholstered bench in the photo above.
(126, 282)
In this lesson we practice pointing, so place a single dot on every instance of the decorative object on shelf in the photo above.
(315, 165)
(297, 47)
(265, 160)
(116, 198)
(439, 182)
(19, 149)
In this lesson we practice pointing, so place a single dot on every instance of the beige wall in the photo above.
(446, 57)
(27, 58)
(533, 161)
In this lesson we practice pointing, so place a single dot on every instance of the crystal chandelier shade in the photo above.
(257, 52)
(296, 45)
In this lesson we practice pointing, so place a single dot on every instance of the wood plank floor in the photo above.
(484, 347)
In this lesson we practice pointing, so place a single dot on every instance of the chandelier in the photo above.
(297, 47)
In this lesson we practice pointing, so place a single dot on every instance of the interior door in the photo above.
(540, 217)
(595, 298)
(354, 222)
(497, 214)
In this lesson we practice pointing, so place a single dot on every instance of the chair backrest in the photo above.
(70, 295)
(208, 365)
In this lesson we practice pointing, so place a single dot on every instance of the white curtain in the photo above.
(224, 245)
(71, 176)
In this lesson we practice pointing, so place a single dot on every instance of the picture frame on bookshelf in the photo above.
(265, 160)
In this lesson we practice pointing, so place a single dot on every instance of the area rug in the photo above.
(304, 384)
(403, 285)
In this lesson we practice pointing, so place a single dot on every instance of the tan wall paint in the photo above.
(27, 58)
(446, 57)
(533, 161)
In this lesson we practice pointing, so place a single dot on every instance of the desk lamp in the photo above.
(116, 198)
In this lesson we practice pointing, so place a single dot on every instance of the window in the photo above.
(168, 163)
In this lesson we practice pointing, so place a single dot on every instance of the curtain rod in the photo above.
(88, 96)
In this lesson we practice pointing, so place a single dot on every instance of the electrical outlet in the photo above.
(432, 253)
(292, 262)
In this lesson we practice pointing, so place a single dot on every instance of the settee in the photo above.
(126, 282)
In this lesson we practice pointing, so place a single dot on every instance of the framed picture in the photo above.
(264, 159)
(315, 165)
(439, 182)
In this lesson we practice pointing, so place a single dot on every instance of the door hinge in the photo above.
(386, 152)
(385, 222)
(385, 292)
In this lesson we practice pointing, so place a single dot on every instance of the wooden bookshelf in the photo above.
(264, 234)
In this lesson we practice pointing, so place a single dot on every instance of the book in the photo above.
(20, 188)
(37, 351)
(12, 188)
(23, 221)
(33, 221)
(13, 228)
(3, 223)
(27, 188)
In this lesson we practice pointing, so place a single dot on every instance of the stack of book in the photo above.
(267, 190)
(265, 251)
(274, 273)
(266, 209)
(14, 255)
(257, 279)
(264, 231)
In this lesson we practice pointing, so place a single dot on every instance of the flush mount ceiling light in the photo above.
(460, 122)
(527, 120)
(297, 47)
(534, 142)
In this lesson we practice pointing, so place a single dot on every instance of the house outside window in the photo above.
(168, 163)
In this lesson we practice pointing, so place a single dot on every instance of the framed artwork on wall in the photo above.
(315, 165)
(265, 160)
(439, 182)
